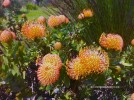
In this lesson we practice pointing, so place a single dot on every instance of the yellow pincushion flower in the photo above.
(47, 74)
(53, 59)
(75, 69)
(88, 13)
(96, 61)
(111, 41)
(33, 30)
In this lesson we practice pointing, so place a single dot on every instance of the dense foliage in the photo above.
(83, 51)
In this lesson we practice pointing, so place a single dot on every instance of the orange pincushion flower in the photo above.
(53, 59)
(33, 30)
(47, 74)
(87, 13)
(57, 46)
(96, 61)
(90, 60)
(132, 42)
(62, 19)
(41, 20)
(81, 16)
(75, 69)
(7, 36)
(67, 20)
(49, 70)
(111, 41)
(6, 3)
(132, 96)
(55, 21)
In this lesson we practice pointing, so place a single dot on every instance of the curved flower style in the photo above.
(75, 69)
(87, 13)
(7, 36)
(53, 59)
(111, 41)
(47, 74)
(55, 21)
(96, 61)
(33, 30)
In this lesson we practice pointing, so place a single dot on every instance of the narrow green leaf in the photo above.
(24, 74)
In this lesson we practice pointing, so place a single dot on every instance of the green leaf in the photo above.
(48, 87)
(67, 81)
(5, 60)
(24, 74)
(13, 72)
(125, 64)
(119, 78)
(15, 48)
(16, 70)
(40, 98)
(3, 67)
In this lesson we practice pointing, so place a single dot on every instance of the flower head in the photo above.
(75, 69)
(67, 20)
(88, 13)
(96, 61)
(7, 36)
(47, 74)
(49, 70)
(41, 20)
(111, 41)
(62, 19)
(53, 59)
(132, 96)
(81, 16)
(57, 46)
(55, 21)
(132, 42)
(33, 30)
(6, 3)
(89, 61)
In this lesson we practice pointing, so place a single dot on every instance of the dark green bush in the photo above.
(31, 6)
